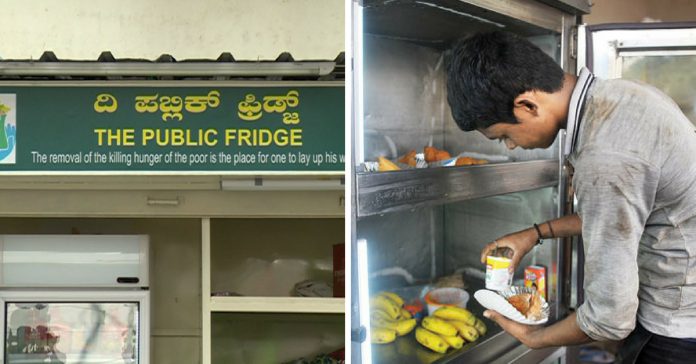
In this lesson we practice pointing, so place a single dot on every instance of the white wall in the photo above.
(261, 29)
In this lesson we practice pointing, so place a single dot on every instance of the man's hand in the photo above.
(526, 334)
(520, 243)
(561, 333)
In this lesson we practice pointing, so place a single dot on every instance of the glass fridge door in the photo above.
(56, 330)
(660, 54)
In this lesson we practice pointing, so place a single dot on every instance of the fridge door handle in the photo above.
(128, 280)
(358, 335)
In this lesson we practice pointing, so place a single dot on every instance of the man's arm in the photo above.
(563, 227)
(616, 195)
(564, 332)
(523, 241)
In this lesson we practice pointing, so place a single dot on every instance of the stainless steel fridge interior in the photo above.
(413, 226)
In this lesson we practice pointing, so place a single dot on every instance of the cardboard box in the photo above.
(535, 276)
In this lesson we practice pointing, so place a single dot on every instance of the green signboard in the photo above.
(158, 127)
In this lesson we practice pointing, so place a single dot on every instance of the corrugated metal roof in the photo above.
(166, 67)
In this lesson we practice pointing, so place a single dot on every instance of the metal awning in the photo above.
(167, 67)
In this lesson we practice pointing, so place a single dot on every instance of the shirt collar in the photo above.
(577, 101)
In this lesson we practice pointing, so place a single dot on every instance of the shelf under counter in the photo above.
(383, 192)
(503, 348)
(330, 305)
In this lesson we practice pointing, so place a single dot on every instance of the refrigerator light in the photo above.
(364, 301)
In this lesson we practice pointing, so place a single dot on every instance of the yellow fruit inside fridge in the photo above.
(431, 340)
(480, 327)
(379, 314)
(384, 304)
(392, 296)
(402, 327)
(455, 342)
(381, 335)
(455, 313)
(439, 326)
(466, 331)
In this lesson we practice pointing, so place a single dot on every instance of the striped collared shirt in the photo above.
(577, 103)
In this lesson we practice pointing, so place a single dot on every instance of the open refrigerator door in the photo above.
(660, 54)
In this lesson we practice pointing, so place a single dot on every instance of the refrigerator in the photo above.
(414, 226)
(74, 299)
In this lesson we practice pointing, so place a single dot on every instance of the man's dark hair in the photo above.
(487, 71)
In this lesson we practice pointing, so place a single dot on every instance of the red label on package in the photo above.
(535, 276)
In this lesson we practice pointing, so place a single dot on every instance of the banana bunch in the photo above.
(388, 318)
(449, 327)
